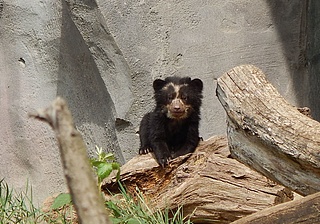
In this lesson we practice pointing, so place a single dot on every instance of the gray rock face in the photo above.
(103, 56)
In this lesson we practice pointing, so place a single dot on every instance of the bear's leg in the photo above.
(144, 131)
(161, 152)
(189, 145)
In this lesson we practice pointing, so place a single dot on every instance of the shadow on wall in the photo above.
(313, 56)
(302, 58)
(80, 83)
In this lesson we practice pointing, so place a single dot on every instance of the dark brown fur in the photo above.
(172, 129)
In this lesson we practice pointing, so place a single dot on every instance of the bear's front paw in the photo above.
(164, 161)
(145, 150)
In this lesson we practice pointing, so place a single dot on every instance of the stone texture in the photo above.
(102, 57)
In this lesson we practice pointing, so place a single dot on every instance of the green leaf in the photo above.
(62, 200)
(109, 156)
(114, 208)
(116, 166)
(96, 163)
(133, 221)
(115, 220)
(104, 170)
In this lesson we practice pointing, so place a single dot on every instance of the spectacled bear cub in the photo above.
(172, 128)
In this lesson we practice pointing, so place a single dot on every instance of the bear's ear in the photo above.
(158, 84)
(197, 84)
(185, 80)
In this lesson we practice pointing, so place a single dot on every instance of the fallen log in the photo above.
(305, 210)
(267, 133)
(210, 185)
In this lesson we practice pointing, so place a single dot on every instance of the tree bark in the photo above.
(209, 185)
(267, 133)
(84, 191)
(305, 210)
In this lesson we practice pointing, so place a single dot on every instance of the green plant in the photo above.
(61, 211)
(104, 164)
(130, 211)
(61, 200)
(17, 207)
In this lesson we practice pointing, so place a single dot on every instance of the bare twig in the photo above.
(78, 172)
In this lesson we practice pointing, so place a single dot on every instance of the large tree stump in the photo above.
(209, 184)
(267, 133)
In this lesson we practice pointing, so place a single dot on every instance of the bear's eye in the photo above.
(184, 97)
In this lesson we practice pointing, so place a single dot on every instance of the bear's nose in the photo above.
(176, 105)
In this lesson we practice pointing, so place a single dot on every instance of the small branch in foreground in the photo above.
(85, 195)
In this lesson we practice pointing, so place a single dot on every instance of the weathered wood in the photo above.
(305, 210)
(208, 184)
(267, 133)
(78, 172)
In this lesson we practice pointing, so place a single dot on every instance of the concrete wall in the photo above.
(313, 57)
(102, 57)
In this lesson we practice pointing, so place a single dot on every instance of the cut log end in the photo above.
(267, 133)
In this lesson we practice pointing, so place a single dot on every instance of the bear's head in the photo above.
(178, 97)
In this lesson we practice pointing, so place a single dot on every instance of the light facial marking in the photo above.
(175, 87)
(170, 84)
(176, 108)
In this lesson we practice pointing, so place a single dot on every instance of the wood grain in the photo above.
(268, 134)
